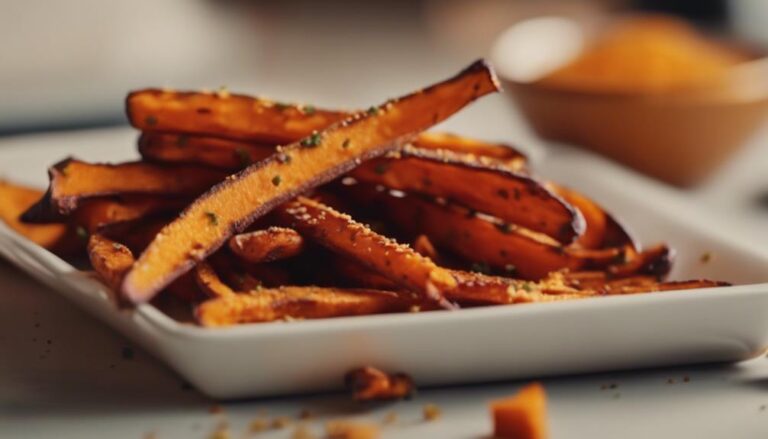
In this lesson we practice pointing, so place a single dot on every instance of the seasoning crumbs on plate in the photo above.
(431, 412)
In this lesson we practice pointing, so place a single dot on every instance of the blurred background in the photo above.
(69, 64)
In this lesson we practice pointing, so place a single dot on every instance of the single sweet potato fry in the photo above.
(234, 204)
(211, 151)
(267, 245)
(225, 115)
(97, 213)
(371, 384)
(284, 303)
(492, 189)
(110, 259)
(522, 416)
(342, 234)
(14, 201)
(72, 181)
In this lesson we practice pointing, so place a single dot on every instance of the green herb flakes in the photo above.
(212, 218)
(311, 141)
(82, 233)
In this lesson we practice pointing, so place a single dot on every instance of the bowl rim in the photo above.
(704, 96)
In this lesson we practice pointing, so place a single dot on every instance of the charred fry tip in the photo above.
(483, 65)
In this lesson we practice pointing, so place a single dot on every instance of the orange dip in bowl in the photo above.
(647, 55)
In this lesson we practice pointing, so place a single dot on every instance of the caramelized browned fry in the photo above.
(267, 245)
(510, 196)
(481, 240)
(234, 204)
(225, 115)
(211, 151)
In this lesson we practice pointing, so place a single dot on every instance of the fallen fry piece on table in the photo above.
(340, 233)
(283, 303)
(494, 190)
(267, 245)
(211, 151)
(14, 201)
(371, 384)
(522, 416)
(73, 181)
(340, 429)
(232, 205)
(110, 259)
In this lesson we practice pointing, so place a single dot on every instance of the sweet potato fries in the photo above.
(313, 220)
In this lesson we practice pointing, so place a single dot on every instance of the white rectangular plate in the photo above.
(473, 345)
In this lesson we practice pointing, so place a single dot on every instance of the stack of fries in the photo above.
(250, 210)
